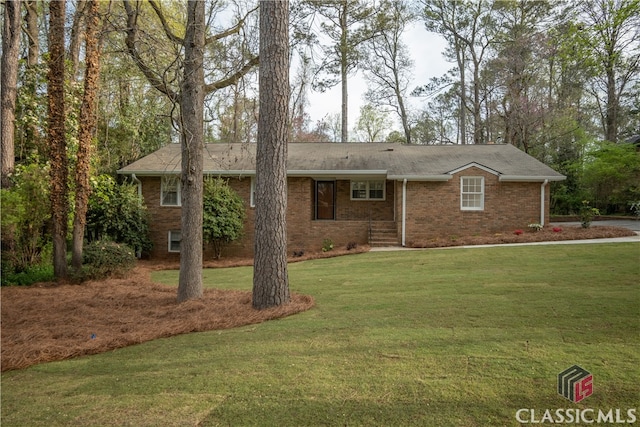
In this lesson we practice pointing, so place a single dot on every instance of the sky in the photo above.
(426, 50)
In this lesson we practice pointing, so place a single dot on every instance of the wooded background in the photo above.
(557, 79)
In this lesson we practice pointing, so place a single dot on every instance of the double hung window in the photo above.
(175, 237)
(170, 191)
(472, 193)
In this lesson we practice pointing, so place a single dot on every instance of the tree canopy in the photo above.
(554, 78)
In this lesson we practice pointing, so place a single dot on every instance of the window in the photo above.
(472, 193)
(367, 190)
(170, 191)
(252, 198)
(175, 237)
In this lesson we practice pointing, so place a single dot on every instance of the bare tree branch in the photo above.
(233, 79)
(132, 35)
(170, 35)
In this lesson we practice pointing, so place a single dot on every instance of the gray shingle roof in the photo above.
(395, 161)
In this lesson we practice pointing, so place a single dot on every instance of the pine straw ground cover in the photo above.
(48, 322)
(525, 235)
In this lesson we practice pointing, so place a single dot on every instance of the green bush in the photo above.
(103, 258)
(223, 214)
(116, 213)
(587, 213)
(34, 274)
(25, 214)
(610, 175)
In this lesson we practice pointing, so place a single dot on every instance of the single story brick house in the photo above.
(377, 193)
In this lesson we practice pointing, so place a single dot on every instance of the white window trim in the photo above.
(252, 196)
(169, 249)
(482, 194)
(368, 182)
(178, 190)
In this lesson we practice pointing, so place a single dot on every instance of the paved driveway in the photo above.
(631, 224)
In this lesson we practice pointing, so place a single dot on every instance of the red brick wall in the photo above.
(352, 217)
(303, 234)
(361, 210)
(433, 210)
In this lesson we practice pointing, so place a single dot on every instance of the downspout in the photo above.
(404, 212)
(542, 200)
(137, 181)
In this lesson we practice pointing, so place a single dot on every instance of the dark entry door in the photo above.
(325, 199)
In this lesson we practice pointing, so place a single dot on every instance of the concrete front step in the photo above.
(383, 234)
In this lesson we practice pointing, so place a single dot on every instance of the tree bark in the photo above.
(9, 79)
(77, 34)
(56, 137)
(88, 120)
(32, 133)
(344, 133)
(31, 31)
(192, 116)
(270, 276)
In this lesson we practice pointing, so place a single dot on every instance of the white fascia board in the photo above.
(339, 173)
(524, 178)
(230, 172)
(147, 173)
(177, 172)
(474, 164)
(421, 177)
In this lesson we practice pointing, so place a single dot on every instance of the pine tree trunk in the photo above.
(88, 121)
(77, 34)
(9, 77)
(270, 276)
(344, 124)
(56, 137)
(191, 111)
(31, 31)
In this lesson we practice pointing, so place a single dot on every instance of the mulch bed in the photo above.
(547, 234)
(48, 321)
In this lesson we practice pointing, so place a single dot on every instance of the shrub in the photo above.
(25, 214)
(635, 208)
(587, 213)
(327, 245)
(34, 274)
(103, 258)
(351, 245)
(223, 214)
(535, 226)
(117, 213)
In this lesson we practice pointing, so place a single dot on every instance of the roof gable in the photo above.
(474, 165)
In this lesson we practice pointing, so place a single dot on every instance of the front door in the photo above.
(325, 199)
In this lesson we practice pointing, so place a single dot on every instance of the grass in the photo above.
(454, 337)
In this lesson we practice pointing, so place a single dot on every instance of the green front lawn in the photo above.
(453, 337)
